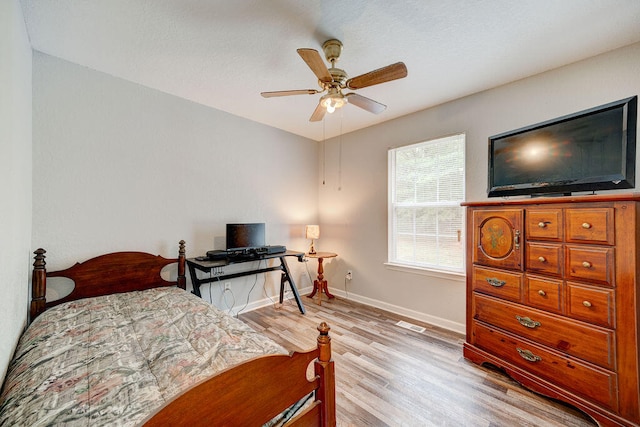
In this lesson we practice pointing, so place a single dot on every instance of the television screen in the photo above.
(586, 151)
(242, 236)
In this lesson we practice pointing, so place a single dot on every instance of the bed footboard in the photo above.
(106, 274)
(255, 392)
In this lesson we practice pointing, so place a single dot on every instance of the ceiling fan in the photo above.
(334, 80)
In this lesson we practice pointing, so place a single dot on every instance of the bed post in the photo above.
(38, 285)
(324, 369)
(182, 279)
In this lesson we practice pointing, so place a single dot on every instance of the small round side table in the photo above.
(320, 284)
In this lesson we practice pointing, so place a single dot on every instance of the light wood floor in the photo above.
(387, 375)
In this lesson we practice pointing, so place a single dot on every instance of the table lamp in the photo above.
(313, 232)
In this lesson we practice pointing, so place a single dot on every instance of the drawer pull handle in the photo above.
(528, 355)
(516, 239)
(542, 293)
(527, 322)
(586, 225)
(496, 283)
(586, 303)
(543, 224)
(542, 259)
(586, 264)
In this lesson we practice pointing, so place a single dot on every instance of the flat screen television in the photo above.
(244, 236)
(590, 150)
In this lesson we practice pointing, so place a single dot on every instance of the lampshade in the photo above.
(313, 231)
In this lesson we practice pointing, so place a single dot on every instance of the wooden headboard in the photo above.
(103, 275)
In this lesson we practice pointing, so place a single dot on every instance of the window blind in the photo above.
(426, 186)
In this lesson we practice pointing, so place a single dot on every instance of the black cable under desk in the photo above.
(208, 266)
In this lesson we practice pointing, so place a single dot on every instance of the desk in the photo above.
(320, 285)
(208, 266)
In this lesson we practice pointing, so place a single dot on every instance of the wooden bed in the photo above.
(247, 394)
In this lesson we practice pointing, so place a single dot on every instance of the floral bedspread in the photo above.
(113, 360)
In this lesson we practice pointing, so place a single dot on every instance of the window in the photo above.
(426, 221)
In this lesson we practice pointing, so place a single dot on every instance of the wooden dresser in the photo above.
(553, 298)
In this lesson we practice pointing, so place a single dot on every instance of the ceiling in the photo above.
(223, 53)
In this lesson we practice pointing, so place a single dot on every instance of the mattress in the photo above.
(115, 359)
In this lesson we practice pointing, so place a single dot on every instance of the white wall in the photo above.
(119, 166)
(15, 176)
(353, 203)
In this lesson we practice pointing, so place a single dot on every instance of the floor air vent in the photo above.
(410, 326)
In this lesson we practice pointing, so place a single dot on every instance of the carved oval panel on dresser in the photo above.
(556, 303)
(497, 237)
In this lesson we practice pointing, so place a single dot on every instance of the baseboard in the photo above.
(417, 315)
(259, 304)
(412, 314)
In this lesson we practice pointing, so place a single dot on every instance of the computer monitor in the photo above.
(242, 236)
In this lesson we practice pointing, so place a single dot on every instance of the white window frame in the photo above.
(432, 269)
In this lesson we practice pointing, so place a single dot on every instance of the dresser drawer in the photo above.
(591, 343)
(544, 293)
(544, 224)
(596, 384)
(594, 225)
(595, 264)
(499, 283)
(545, 258)
(592, 304)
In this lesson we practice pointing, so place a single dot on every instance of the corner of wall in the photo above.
(15, 177)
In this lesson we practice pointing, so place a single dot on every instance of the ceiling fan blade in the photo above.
(317, 65)
(318, 113)
(289, 92)
(381, 75)
(365, 103)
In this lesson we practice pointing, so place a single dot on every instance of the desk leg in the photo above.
(194, 280)
(286, 276)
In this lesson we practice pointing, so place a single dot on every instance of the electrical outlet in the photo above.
(227, 285)
(349, 275)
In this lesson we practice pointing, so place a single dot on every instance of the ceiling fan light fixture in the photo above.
(333, 101)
